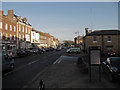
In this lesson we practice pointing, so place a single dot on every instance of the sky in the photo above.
(63, 19)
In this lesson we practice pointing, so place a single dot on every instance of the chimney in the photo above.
(86, 30)
(10, 13)
(1, 12)
(90, 31)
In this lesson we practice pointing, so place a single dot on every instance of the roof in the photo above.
(47, 34)
(104, 32)
(22, 20)
(38, 32)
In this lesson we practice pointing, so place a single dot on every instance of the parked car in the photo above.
(7, 62)
(51, 48)
(47, 49)
(35, 50)
(112, 68)
(29, 52)
(41, 50)
(58, 48)
(111, 53)
(22, 53)
(119, 53)
(44, 50)
(14, 54)
(73, 50)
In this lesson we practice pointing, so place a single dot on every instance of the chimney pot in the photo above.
(1, 12)
(10, 13)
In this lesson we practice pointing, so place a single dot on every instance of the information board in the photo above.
(95, 57)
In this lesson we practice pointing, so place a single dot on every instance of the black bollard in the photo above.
(41, 85)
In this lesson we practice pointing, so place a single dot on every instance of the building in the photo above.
(8, 31)
(17, 33)
(43, 39)
(106, 39)
(35, 38)
(78, 41)
(119, 15)
(48, 39)
(23, 32)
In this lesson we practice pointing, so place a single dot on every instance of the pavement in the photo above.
(65, 73)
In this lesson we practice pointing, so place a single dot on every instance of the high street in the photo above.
(27, 68)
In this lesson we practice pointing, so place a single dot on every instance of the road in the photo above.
(57, 69)
(27, 68)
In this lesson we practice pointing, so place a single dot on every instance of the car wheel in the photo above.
(11, 66)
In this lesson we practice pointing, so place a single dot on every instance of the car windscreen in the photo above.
(115, 62)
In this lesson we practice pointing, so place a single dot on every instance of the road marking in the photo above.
(56, 61)
(20, 68)
(33, 62)
(60, 60)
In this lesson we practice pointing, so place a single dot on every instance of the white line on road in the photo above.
(20, 67)
(32, 62)
(58, 60)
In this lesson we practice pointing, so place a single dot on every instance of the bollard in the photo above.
(41, 85)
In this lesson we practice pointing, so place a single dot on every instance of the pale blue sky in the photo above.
(63, 19)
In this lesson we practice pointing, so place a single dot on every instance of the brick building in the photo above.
(23, 33)
(43, 40)
(8, 31)
(106, 39)
(49, 39)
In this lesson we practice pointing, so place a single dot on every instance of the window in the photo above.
(19, 36)
(23, 28)
(10, 37)
(3, 47)
(14, 28)
(94, 39)
(14, 37)
(23, 37)
(1, 25)
(19, 27)
(6, 26)
(109, 39)
(6, 36)
(0, 35)
(29, 30)
(26, 29)
(10, 27)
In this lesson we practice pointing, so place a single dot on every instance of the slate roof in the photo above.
(104, 32)
(22, 20)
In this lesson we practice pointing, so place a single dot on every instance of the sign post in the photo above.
(95, 59)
